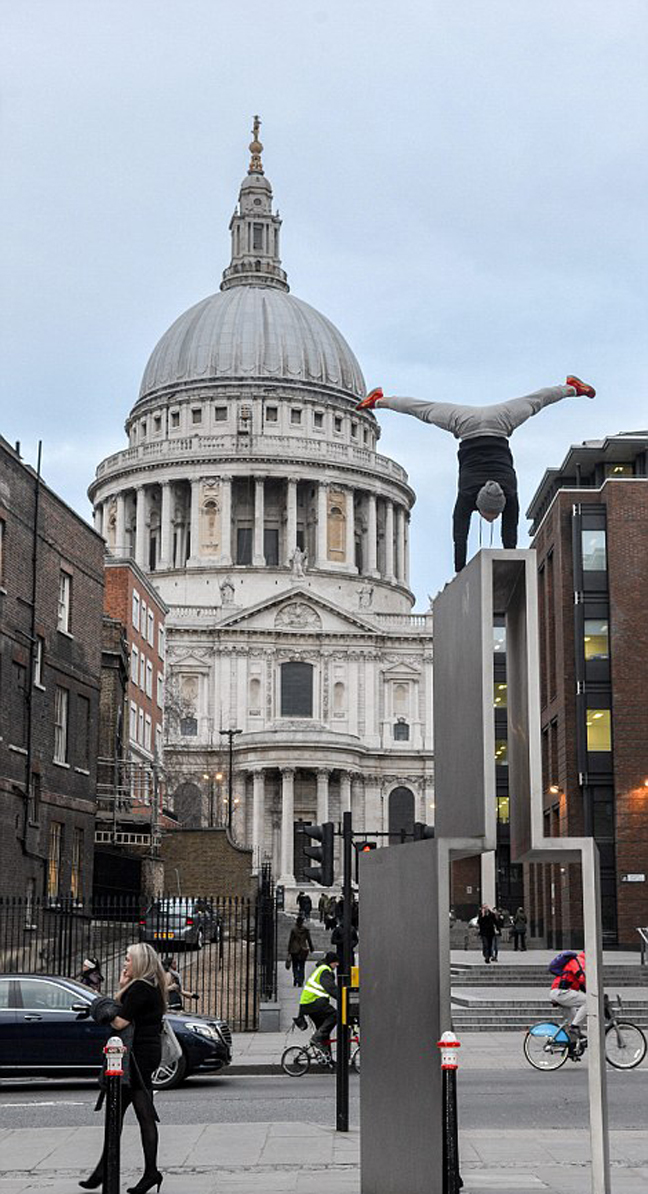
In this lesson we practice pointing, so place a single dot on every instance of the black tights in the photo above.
(142, 1103)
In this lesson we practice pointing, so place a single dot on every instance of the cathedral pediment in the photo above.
(298, 611)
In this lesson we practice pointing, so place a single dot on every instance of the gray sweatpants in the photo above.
(466, 422)
(570, 1000)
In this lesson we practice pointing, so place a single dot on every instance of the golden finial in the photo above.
(256, 149)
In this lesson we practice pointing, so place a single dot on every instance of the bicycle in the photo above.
(296, 1060)
(547, 1045)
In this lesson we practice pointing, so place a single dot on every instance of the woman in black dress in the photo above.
(142, 995)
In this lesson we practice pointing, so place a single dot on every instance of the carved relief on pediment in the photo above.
(297, 615)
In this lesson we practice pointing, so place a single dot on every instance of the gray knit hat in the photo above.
(491, 498)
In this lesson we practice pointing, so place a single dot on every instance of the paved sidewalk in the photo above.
(304, 1158)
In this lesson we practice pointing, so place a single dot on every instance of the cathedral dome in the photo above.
(252, 333)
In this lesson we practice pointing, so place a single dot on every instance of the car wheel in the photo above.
(168, 1076)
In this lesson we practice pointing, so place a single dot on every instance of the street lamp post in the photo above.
(230, 734)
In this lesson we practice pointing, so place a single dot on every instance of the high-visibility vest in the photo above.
(313, 988)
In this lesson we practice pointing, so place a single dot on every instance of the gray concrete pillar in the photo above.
(287, 827)
(166, 530)
(258, 558)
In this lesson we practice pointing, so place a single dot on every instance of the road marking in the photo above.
(51, 1103)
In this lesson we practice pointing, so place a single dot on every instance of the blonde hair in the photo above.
(146, 967)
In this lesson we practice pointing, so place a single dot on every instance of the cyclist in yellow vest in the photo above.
(315, 1002)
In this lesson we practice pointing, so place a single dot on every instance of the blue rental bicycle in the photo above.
(547, 1045)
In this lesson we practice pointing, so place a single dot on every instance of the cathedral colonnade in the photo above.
(258, 522)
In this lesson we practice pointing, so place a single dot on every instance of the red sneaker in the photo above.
(369, 402)
(581, 387)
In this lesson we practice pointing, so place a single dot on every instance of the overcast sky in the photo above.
(462, 185)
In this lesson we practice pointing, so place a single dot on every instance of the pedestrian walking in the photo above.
(139, 1004)
(519, 930)
(499, 924)
(304, 904)
(337, 940)
(175, 991)
(487, 478)
(330, 919)
(486, 924)
(300, 946)
(322, 905)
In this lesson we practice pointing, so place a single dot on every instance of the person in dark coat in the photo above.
(305, 904)
(519, 930)
(142, 1000)
(486, 925)
(337, 938)
(299, 947)
(91, 975)
(487, 478)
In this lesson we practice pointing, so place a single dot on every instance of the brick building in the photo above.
(590, 530)
(51, 598)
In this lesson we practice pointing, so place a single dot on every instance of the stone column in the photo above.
(323, 795)
(194, 523)
(287, 827)
(322, 524)
(120, 526)
(389, 540)
(291, 519)
(226, 522)
(140, 528)
(345, 792)
(258, 816)
(400, 543)
(357, 802)
(258, 558)
(406, 577)
(98, 518)
(350, 532)
(166, 530)
(372, 536)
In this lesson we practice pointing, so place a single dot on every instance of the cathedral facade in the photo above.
(253, 495)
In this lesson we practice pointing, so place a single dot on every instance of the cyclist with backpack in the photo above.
(568, 990)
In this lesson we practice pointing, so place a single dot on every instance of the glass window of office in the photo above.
(503, 809)
(620, 469)
(594, 550)
(599, 730)
(596, 639)
(499, 694)
(499, 638)
(501, 752)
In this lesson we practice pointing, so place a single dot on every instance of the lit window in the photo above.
(499, 695)
(501, 752)
(134, 664)
(503, 809)
(54, 858)
(619, 470)
(61, 703)
(64, 597)
(136, 604)
(599, 730)
(149, 678)
(594, 553)
(596, 639)
(76, 870)
(151, 627)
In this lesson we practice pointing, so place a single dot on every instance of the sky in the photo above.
(463, 193)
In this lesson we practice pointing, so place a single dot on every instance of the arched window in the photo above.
(401, 813)
(401, 731)
(296, 690)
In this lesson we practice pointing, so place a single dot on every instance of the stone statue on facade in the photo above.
(226, 587)
(299, 560)
(365, 596)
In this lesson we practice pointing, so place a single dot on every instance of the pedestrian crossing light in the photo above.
(322, 854)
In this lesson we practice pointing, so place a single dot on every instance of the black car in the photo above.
(45, 1031)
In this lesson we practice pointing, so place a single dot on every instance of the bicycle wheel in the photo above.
(625, 1045)
(546, 1046)
(355, 1060)
(295, 1061)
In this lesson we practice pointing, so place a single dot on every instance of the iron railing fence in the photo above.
(222, 947)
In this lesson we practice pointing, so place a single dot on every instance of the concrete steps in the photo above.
(498, 974)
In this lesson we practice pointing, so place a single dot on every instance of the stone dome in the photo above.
(252, 333)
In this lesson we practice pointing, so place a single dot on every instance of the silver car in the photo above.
(180, 921)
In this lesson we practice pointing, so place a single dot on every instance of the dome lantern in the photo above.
(254, 228)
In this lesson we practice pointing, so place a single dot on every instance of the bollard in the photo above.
(448, 1045)
(114, 1071)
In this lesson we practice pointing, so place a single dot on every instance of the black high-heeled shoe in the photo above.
(146, 1183)
(94, 1181)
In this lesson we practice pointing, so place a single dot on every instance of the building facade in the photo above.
(590, 531)
(253, 498)
(51, 598)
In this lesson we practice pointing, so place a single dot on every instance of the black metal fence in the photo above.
(222, 947)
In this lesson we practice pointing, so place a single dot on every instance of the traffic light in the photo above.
(422, 831)
(323, 854)
(362, 848)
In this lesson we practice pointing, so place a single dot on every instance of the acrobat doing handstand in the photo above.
(487, 480)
